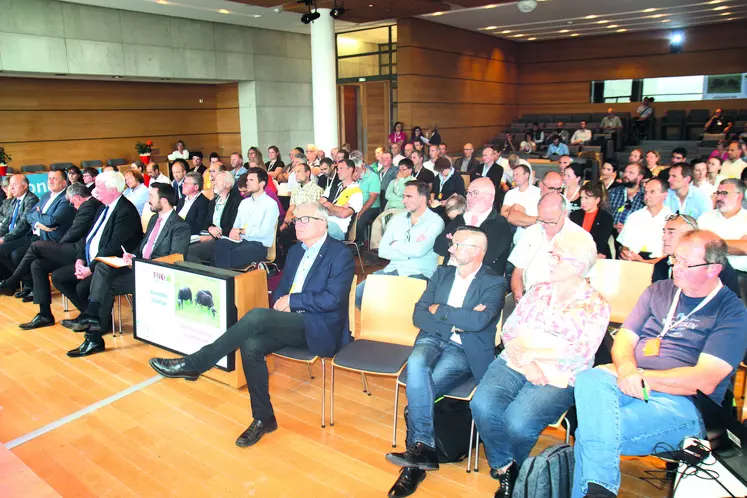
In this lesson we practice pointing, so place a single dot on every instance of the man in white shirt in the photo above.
(551, 182)
(433, 154)
(193, 206)
(729, 221)
(683, 197)
(344, 203)
(396, 156)
(582, 135)
(641, 233)
(154, 172)
(180, 153)
(524, 197)
(531, 256)
(733, 167)
(254, 228)
(178, 170)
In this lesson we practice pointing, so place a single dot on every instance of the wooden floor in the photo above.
(176, 438)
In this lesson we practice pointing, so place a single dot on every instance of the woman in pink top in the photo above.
(552, 335)
(397, 136)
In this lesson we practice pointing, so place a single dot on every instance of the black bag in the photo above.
(547, 475)
(452, 421)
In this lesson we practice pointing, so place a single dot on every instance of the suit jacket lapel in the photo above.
(318, 259)
(472, 291)
(445, 288)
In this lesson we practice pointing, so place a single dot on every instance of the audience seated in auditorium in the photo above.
(645, 397)
(538, 136)
(733, 167)
(310, 310)
(138, 166)
(419, 172)
(430, 164)
(481, 213)
(635, 156)
(610, 122)
(181, 152)
(557, 148)
(608, 175)
(89, 177)
(15, 228)
(531, 256)
(729, 221)
(154, 172)
(43, 256)
(683, 197)
(253, 230)
(377, 155)
(328, 179)
(523, 198)
(370, 185)
(305, 192)
(564, 161)
(457, 317)
(455, 206)
(74, 175)
(197, 162)
(136, 192)
(528, 145)
(117, 225)
(508, 143)
(676, 226)
(193, 207)
(416, 135)
(594, 218)
(448, 182)
(221, 215)
(720, 150)
(8, 203)
(521, 218)
(581, 136)
(468, 162)
(407, 150)
(432, 137)
(209, 177)
(561, 132)
(509, 165)
(551, 337)
(640, 237)
(395, 194)
(387, 172)
(397, 136)
(254, 154)
(346, 200)
(167, 233)
(628, 196)
(489, 169)
(573, 177)
(718, 123)
(653, 168)
(409, 238)
(644, 115)
(237, 165)
(443, 152)
(275, 165)
(178, 171)
(700, 178)
(396, 156)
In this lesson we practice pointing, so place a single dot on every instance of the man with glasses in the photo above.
(467, 163)
(628, 196)
(347, 200)
(457, 316)
(409, 237)
(729, 221)
(640, 237)
(531, 256)
(310, 310)
(193, 206)
(481, 213)
(684, 335)
(518, 217)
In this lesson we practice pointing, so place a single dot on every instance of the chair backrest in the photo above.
(57, 166)
(30, 168)
(467, 180)
(272, 251)
(699, 115)
(91, 163)
(352, 229)
(621, 283)
(674, 115)
(116, 162)
(351, 308)
(145, 218)
(387, 308)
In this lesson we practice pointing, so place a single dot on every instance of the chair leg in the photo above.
(360, 260)
(366, 388)
(311, 372)
(114, 324)
(396, 410)
(65, 305)
(469, 451)
(119, 313)
(477, 450)
(324, 387)
(332, 398)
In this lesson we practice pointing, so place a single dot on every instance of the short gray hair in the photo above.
(738, 184)
(456, 203)
(716, 249)
(112, 180)
(356, 154)
(319, 211)
(77, 188)
(357, 161)
(227, 176)
(578, 245)
(194, 175)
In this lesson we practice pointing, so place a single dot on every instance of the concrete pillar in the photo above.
(324, 81)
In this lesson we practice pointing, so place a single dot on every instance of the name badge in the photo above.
(652, 347)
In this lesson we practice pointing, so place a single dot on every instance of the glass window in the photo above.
(617, 91)
(674, 89)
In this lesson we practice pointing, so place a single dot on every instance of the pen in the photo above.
(123, 250)
(645, 391)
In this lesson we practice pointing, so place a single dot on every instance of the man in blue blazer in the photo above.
(310, 311)
(457, 316)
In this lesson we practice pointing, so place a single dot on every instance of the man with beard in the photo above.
(628, 197)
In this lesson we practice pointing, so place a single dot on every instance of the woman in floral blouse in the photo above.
(553, 334)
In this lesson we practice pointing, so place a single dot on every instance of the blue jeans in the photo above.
(433, 369)
(362, 286)
(611, 424)
(511, 412)
(334, 231)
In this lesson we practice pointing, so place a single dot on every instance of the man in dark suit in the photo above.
(167, 234)
(15, 228)
(467, 163)
(178, 170)
(310, 311)
(117, 225)
(481, 213)
(193, 207)
(493, 171)
(457, 316)
(225, 203)
(44, 256)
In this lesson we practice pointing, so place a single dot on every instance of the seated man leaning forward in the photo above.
(552, 335)
(457, 317)
(684, 335)
(311, 311)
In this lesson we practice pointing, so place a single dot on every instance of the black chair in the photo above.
(599, 116)
(93, 163)
(32, 168)
(116, 162)
(696, 120)
(60, 166)
(577, 118)
(563, 117)
(672, 119)
(10, 170)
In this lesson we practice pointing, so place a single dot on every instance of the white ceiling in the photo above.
(553, 19)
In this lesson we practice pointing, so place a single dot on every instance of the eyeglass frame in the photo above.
(679, 215)
(297, 219)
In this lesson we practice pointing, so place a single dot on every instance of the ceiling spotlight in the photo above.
(591, 17)
(574, 34)
(310, 17)
(532, 38)
(527, 6)
(337, 12)
(611, 26)
(564, 31)
(667, 20)
(518, 36)
(488, 28)
(651, 9)
(723, 7)
(224, 11)
(725, 14)
(623, 30)
(676, 41)
(505, 31)
(602, 22)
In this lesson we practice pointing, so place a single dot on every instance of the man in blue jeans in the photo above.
(457, 316)
(684, 335)
(409, 238)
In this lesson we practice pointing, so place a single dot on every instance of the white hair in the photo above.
(228, 176)
(112, 179)
(578, 245)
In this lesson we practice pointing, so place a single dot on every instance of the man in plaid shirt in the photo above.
(627, 197)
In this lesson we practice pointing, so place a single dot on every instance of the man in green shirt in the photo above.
(370, 185)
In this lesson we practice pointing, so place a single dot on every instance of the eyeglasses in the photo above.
(684, 218)
(548, 222)
(474, 193)
(719, 193)
(683, 264)
(552, 189)
(304, 220)
(459, 245)
(560, 257)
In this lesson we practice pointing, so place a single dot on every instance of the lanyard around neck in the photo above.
(668, 325)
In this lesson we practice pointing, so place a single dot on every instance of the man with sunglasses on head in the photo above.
(628, 196)
(729, 221)
(310, 310)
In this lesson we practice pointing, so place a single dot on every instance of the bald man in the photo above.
(467, 163)
(457, 316)
(518, 217)
(481, 213)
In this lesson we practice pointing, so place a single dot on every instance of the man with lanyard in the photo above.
(684, 335)
(628, 197)
(683, 197)
(344, 201)
(328, 179)
(419, 171)
(386, 173)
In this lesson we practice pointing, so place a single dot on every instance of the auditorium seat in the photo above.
(116, 162)
(32, 168)
(350, 241)
(621, 283)
(674, 118)
(91, 163)
(582, 117)
(696, 119)
(60, 166)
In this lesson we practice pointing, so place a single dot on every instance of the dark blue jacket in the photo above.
(325, 295)
(479, 327)
(59, 215)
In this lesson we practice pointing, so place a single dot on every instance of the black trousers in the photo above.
(107, 283)
(201, 252)
(41, 259)
(260, 332)
(363, 221)
(12, 252)
(229, 254)
(77, 291)
(286, 239)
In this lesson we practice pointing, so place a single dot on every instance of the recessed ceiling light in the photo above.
(733, 18)
(256, 16)
(656, 16)
(564, 31)
(650, 9)
(117, 77)
(370, 5)
(280, 10)
(591, 17)
(491, 6)
(623, 30)
(532, 38)
(505, 31)
(603, 21)
(224, 11)
(437, 14)
(574, 34)
(723, 7)
(725, 14)
(518, 36)
(667, 20)
(612, 26)
(488, 28)
(713, 2)
(162, 2)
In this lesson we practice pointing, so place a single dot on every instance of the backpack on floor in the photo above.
(547, 475)
(452, 421)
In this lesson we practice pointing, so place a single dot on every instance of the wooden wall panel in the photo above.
(376, 118)
(659, 107)
(427, 62)
(429, 89)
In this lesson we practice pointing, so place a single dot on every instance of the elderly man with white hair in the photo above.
(552, 335)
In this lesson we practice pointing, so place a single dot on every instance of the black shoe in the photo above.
(6, 290)
(22, 293)
(173, 368)
(507, 480)
(597, 491)
(86, 322)
(38, 322)
(91, 345)
(407, 482)
(255, 432)
(68, 324)
(28, 298)
(418, 456)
